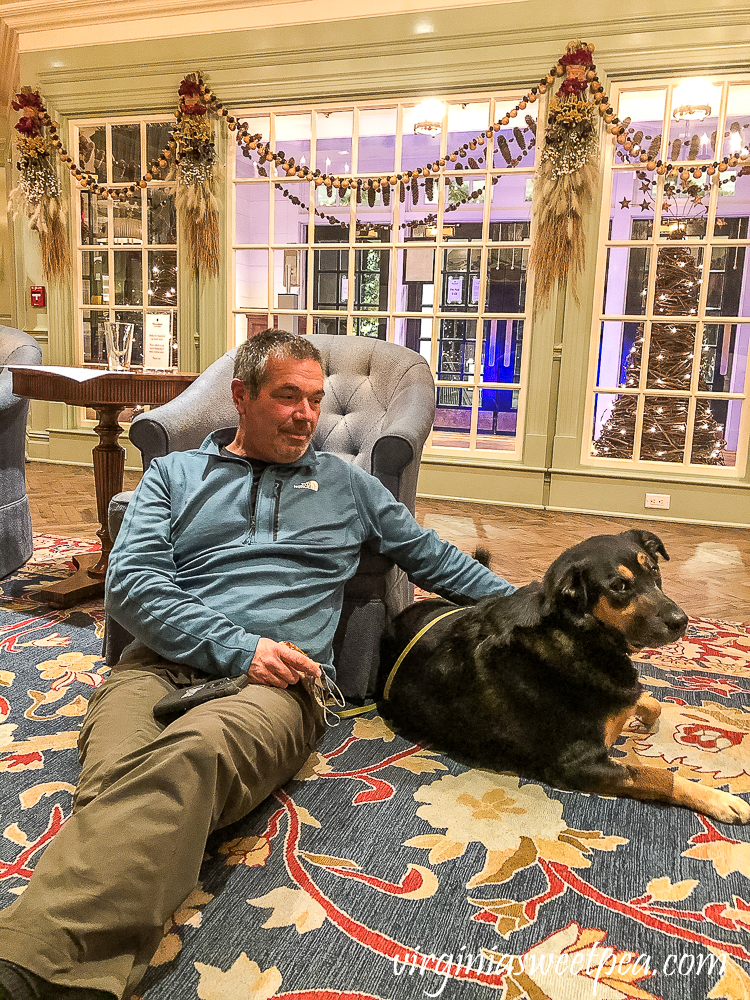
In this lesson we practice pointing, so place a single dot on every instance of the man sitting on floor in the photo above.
(225, 553)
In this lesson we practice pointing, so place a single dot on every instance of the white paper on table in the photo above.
(157, 341)
(74, 374)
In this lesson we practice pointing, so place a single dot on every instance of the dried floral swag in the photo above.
(38, 193)
(566, 177)
(196, 175)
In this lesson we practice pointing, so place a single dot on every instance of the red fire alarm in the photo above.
(38, 296)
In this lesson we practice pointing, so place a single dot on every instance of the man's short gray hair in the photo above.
(252, 356)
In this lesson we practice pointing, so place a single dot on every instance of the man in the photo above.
(225, 554)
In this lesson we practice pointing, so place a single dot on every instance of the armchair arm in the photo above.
(391, 454)
(185, 421)
(7, 398)
(16, 348)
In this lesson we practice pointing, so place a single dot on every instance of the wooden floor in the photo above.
(708, 574)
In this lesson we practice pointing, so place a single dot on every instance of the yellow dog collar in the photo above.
(411, 645)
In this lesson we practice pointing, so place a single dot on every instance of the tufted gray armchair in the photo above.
(377, 412)
(16, 348)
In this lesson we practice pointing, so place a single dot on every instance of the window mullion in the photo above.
(689, 428)
(638, 434)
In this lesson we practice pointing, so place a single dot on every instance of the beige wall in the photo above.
(421, 53)
(9, 70)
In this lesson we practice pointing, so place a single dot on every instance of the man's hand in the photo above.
(278, 665)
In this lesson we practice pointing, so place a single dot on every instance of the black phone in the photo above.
(177, 702)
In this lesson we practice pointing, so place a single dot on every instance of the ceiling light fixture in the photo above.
(430, 113)
(691, 100)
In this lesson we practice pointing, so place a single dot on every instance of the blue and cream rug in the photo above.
(386, 871)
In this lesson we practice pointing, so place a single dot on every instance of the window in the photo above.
(669, 366)
(127, 247)
(439, 267)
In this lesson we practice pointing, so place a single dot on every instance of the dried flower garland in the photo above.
(198, 102)
(396, 181)
(630, 139)
(462, 196)
(254, 142)
(365, 228)
(38, 193)
(566, 176)
(196, 176)
(196, 159)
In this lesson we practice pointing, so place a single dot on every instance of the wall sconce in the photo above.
(691, 100)
(431, 114)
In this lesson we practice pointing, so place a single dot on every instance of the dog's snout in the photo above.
(676, 621)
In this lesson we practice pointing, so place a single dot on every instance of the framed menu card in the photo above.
(157, 341)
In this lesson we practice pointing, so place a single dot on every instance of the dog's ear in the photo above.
(567, 588)
(650, 542)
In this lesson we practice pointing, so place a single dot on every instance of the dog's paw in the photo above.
(637, 724)
(727, 808)
(722, 806)
(647, 709)
(646, 712)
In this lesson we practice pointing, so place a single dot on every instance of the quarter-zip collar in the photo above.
(223, 437)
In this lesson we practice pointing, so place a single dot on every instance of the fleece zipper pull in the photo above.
(276, 502)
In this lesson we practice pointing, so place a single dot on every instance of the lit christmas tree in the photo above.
(670, 366)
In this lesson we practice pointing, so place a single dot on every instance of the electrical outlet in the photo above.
(659, 500)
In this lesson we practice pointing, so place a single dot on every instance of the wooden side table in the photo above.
(108, 393)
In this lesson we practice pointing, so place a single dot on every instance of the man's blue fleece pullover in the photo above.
(198, 577)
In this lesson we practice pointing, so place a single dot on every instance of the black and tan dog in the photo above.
(540, 682)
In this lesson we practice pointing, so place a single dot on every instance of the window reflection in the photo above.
(126, 154)
(162, 218)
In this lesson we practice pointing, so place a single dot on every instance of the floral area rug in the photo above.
(385, 871)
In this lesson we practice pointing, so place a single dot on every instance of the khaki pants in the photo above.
(148, 797)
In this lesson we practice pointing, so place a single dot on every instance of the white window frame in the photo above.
(706, 242)
(75, 125)
(498, 106)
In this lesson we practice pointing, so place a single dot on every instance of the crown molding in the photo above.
(256, 70)
(54, 24)
(9, 65)
(452, 28)
(56, 15)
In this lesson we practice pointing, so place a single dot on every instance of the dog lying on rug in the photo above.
(540, 682)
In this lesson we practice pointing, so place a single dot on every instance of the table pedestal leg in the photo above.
(109, 466)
